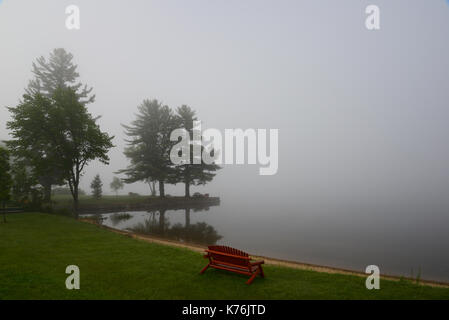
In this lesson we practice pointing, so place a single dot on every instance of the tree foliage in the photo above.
(149, 144)
(97, 187)
(196, 172)
(23, 182)
(116, 184)
(149, 148)
(60, 132)
(58, 71)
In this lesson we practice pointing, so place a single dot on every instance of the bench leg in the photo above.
(252, 277)
(205, 268)
(261, 272)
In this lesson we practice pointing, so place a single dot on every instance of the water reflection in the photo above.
(169, 224)
(200, 232)
(116, 218)
(97, 218)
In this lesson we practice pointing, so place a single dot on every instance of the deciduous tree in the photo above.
(116, 185)
(58, 71)
(61, 131)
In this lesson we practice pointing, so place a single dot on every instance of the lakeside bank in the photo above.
(37, 248)
(268, 260)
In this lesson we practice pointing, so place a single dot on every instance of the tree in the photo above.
(116, 185)
(97, 187)
(23, 182)
(149, 145)
(196, 171)
(57, 72)
(61, 131)
(5, 179)
(35, 163)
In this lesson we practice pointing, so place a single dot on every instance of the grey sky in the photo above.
(361, 114)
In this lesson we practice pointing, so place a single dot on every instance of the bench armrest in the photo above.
(257, 262)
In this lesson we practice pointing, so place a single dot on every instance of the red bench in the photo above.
(227, 258)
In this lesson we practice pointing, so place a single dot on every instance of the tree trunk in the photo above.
(75, 202)
(161, 189)
(47, 192)
(76, 196)
(187, 190)
(152, 188)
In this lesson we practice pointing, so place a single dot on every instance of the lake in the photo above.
(417, 244)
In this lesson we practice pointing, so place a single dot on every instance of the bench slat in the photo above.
(228, 254)
(232, 270)
(216, 261)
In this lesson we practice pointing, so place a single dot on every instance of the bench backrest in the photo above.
(229, 255)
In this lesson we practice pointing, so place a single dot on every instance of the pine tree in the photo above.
(58, 72)
(196, 172)
(149, 145)
(97, 186)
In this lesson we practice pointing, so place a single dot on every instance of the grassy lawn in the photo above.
(66, 201)
(35, 250)
(105, 199)
(109, 203)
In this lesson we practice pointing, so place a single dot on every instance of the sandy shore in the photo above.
(268, 260)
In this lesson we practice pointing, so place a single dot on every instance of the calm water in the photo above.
(399, 246)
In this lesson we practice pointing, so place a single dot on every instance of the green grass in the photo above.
(67, 200)
(36, 248)
(117, 203)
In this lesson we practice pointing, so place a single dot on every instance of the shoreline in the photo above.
(268, 260)
(148, 204)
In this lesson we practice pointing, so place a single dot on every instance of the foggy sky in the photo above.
(362, 115)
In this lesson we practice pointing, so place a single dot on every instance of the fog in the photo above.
(362, 115)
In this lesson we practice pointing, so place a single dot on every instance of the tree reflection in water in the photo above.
(200, 232)
(116, 218)
(97, 218)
